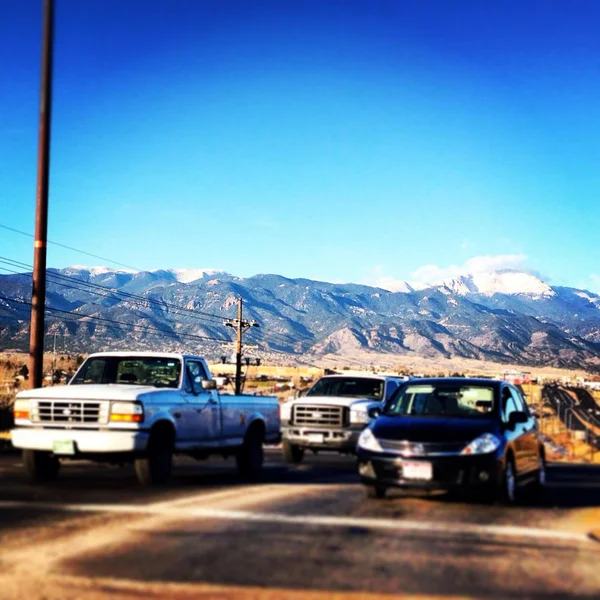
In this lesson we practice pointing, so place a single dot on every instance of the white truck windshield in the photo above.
(353, 387)
(155, 371)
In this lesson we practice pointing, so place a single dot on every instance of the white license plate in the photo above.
(63, 447)
(316, 438)
(417, 470)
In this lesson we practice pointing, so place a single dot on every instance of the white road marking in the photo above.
(435, 527)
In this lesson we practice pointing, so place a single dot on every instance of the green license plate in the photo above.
(63, 447)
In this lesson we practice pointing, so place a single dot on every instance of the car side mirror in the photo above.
(517, 417)
(374, 412)
(209, 384)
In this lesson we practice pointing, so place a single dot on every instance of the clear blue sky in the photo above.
(330, 139)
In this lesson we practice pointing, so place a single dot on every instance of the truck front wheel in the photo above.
(292, 455)
(42, 467)
(250, 455)
(155, 467)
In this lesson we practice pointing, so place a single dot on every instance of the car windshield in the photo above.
(145, 370)
(442, 400)
(353, 387)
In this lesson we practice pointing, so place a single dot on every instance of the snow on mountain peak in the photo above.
(507, 281)
(190, 275)
(100, 270)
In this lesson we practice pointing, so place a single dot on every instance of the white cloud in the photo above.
(486, 263)
(433, 274)
(595, 287)
(377, 278)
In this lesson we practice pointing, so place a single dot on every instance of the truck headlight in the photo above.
(368, 441)
(484, 444)
(359, 415)
(127, 412)
(286, 411)
(21, 410)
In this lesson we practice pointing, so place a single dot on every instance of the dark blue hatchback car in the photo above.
(475, 435)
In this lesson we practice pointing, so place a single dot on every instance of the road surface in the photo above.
(305, 532)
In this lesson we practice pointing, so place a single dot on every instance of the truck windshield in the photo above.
(134, 370)
(353, 387)
(442, 400)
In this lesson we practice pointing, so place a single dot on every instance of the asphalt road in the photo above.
(305, 532)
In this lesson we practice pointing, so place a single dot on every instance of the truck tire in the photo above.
(250, 456)
(292, 455)
(155, 467)
(42, 467)
(375, 491)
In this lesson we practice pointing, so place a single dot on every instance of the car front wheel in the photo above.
(508, 487)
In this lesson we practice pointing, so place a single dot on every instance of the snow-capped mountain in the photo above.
(189, 275)
(505, 316)
(95, 271)
(507, 281)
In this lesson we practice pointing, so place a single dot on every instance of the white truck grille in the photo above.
(69, 412)
(321, 416)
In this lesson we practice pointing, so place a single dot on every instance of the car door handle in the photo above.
(212, 401)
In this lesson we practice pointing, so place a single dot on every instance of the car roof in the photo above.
(364, 376)
(476, 381)
(149, 354)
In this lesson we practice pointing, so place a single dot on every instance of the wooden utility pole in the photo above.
(240, 325)
(38, 292)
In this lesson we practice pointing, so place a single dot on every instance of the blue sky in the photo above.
(335, 140)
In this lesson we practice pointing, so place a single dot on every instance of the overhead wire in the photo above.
(79, 317)
(284, 339)
(79, 285)
(53, 276)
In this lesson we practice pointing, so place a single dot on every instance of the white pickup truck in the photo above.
(141, 407)
(333, 413)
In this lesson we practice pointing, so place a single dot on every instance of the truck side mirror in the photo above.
(209, 384)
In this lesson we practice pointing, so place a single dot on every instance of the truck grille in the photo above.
(63, 411)
(321, 416)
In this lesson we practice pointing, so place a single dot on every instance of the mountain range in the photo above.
(503, 316)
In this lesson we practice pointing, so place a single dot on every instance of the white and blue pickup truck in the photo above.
(141, 407)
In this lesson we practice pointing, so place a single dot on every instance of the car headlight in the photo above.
(368, 441)
(359, 414)
(128, 412)
(484, 444)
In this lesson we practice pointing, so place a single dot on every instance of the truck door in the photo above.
(203, 407)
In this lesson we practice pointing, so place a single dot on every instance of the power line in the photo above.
(96, 334)
(159, 303)
(114, 262)
(283, 339)
(125, 295)
(81, 316)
